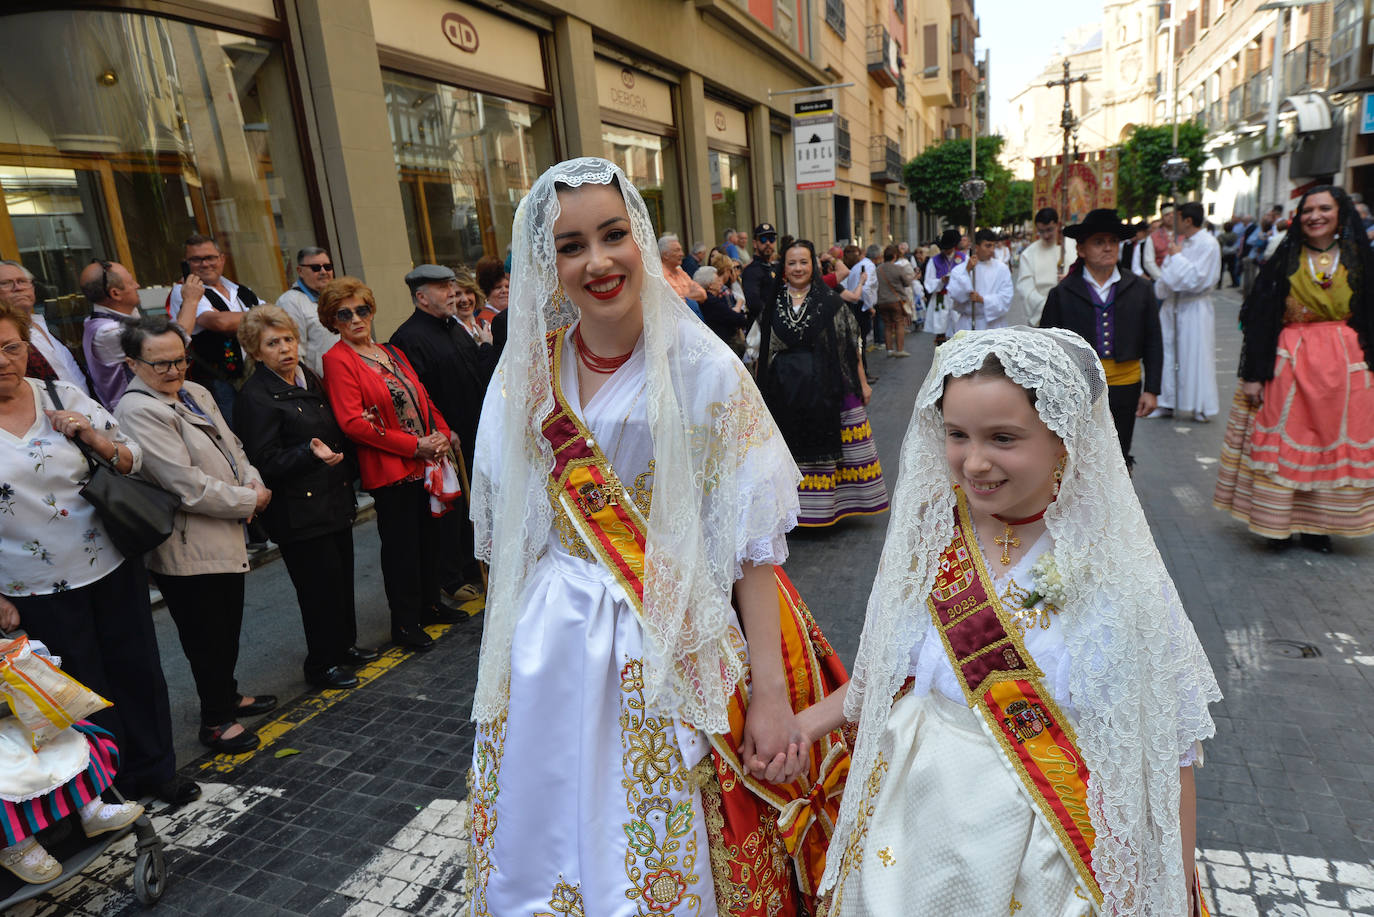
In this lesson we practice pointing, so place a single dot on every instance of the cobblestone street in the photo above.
(355, 802)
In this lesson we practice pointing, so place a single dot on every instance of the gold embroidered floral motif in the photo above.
(566, 899)
(643, 492)
(1015, 905)
(661, 840)
(483, 789)
(1040, 615)
(852, 860)
(886, 856)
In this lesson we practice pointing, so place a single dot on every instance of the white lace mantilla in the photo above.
(1139, 680)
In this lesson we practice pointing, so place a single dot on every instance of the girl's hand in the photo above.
(770, 731)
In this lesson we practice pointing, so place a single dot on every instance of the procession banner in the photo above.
(1092, 183)
(813, 143)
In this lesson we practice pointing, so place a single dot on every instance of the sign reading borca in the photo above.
(460, 32)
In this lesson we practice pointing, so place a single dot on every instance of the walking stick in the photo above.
(467, 496)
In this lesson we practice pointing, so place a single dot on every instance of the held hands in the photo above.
(773, 744)
(324, 453)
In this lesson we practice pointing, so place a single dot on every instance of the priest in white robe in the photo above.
(1039, 269)
(1186, 280)
(980, 299)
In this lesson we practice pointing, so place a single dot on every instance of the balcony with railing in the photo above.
(1297, 75)
(882, 57)
(843, 158)
(834, 16)
(884, 161)
(1235, 104)
(901, 91)
(1257, 90)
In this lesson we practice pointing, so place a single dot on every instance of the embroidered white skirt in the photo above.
(946, 828)
(581, 800)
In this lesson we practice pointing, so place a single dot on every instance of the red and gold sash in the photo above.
(1002, 682)
(586, 492)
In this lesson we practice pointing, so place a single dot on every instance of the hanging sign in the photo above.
(813, 143)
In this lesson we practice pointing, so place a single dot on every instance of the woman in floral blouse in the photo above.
(63, 581)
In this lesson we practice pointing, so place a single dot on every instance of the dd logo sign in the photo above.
(460, 33)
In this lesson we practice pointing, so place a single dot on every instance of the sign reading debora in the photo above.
(628, 91)
(813, 143)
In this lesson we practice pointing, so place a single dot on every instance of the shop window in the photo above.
(779, 182)
(123, 133)
(465, 159)
(730, 192)
(650, 162)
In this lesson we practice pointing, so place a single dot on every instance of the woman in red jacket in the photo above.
(382, 407)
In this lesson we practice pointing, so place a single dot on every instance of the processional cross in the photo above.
(1067, 124)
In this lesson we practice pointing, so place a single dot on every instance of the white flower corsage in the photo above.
(1049, 583)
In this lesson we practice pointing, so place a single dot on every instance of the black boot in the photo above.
(1319, 543)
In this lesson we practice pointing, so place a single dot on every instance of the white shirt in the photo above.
(57, 354)
(174, 304)
(51, 538)
(1038, 272)
(865, 269)
(994, 285)
(1101, 288)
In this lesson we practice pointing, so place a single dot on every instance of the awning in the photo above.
(1314, 114)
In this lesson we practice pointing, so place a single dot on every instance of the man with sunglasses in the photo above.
(49, 358)
(113, 294)
(758, 276)
(314, 269)
(210, 306)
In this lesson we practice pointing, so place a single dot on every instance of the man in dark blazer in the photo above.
(455, 370)
(1114, 311)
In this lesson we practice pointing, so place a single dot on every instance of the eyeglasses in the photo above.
(204, 259)
(19, 283)
(15, 351)
(162, 366)
(347, 315)
(317, 268)
(104, 277)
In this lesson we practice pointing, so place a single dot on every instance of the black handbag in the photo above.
(138, 516)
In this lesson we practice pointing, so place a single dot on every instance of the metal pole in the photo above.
(1271, 122)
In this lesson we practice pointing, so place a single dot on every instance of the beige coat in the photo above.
(185, 454)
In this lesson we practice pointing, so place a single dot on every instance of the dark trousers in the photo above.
(208, 611)
(1121, 401)
(104, 634)
(321, 569)
(457, 563)
(410, 551)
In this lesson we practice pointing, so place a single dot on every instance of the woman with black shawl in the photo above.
(811, 374)
(1299, 450)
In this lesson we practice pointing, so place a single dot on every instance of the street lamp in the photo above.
(1271, 124)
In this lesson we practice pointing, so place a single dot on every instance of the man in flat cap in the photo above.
(454, 369)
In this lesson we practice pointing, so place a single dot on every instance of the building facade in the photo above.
(395, 132)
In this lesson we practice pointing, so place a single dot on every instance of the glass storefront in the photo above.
(650, 161)
(123, 133)
(465, 159)
(730, 190)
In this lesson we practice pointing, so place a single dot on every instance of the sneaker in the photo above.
(901, 353)
(30, 862)
(102, 818)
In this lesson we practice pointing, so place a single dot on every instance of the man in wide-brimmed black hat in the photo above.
(1116, 312)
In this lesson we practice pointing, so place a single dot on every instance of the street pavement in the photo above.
(355, 804)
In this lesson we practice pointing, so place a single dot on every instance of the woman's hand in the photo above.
(483, 333)
(865, 390)
(9, 615)
(431, 447)
(771, 737)
(264, 497)
(324, 453)
(1253, 392)
(73, 425)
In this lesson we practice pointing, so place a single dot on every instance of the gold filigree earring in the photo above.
(1058, 476)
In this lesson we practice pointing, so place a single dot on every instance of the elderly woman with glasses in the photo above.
(64, 581)
(382, 406)
(190, 451)
(289, 433)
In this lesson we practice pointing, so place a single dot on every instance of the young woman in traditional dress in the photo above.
(1299, 449)
(1029, 692)
(811, 374)
(628, 479)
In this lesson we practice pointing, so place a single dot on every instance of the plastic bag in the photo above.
(45, 699)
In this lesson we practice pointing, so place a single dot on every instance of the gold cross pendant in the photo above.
(1007, 542)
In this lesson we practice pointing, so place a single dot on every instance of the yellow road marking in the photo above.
(312, 705)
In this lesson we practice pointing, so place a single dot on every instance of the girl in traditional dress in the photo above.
(627, 479)
(1029, 692)
(1299, 449)
(811, 374)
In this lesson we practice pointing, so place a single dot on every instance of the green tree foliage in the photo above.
(1140, 183)
(1020, 203)
(933, 179)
